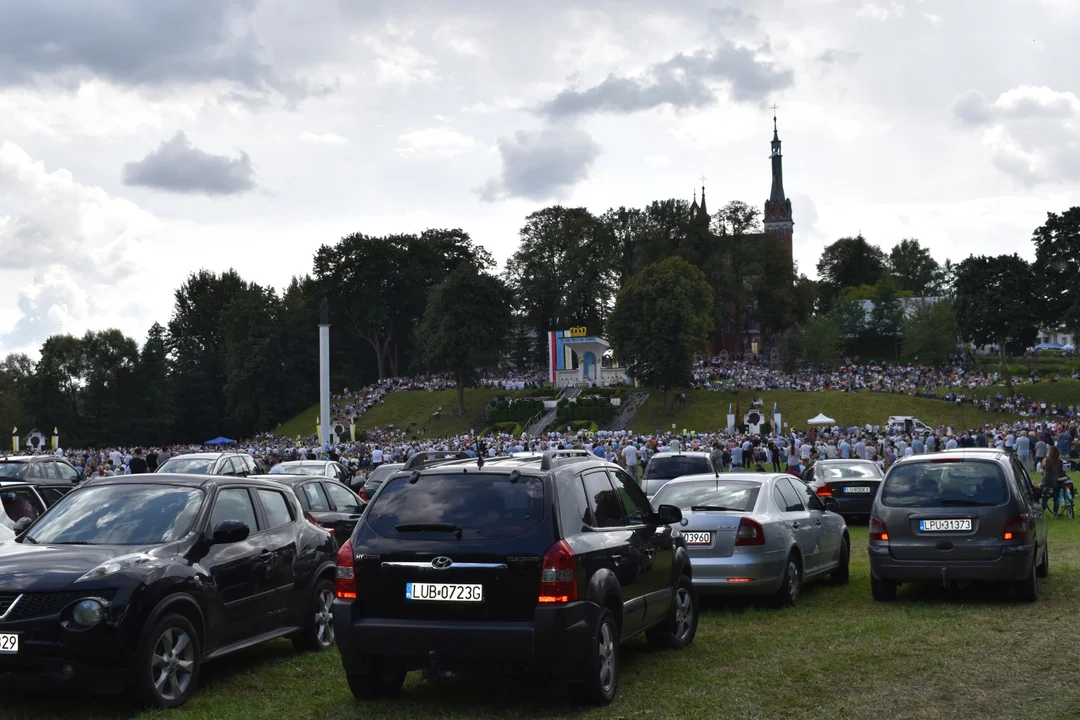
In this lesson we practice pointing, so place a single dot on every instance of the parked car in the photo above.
(318, 468)
(236, 464)
(528, 564)
(758, 534)
(368, 487)
(327, 502)
(852, 483)
(666, 466)
(40, 469)
(133, 582)
(28, 501)
(955, 517)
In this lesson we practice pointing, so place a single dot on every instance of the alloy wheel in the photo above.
(684, 613)
(606, 648)
(324, 619)
(172, 664)
(793, 581)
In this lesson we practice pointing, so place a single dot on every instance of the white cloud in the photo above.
(78, 252)
(440, 142)
(323, 138)
(400, 64)
(880, 12)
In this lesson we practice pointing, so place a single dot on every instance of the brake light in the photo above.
(363, 495)
(824, 490)
(558, 575)
(345, 583)
(1016, 528)
(311, 519)
(878, 531)
(750, 533)
(740, 580)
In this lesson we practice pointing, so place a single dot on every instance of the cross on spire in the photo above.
(774, 108)
(703, 181)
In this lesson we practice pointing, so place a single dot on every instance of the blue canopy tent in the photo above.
(220, 441)
(1049, 346)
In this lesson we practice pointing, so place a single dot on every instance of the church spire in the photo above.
(694, 206)
(702, 212)
(777, 218)
(777, 194)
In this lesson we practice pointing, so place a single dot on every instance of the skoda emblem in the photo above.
(441, 563)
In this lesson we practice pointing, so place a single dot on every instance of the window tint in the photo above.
(187, 466)
(21, 503)
(67, 473)
(808, 496)
(837, 471)
(665, 466)
(10, 470)
(50, 470)
(1022, 477)
(315, 497)
(234, 504)
(485, 506)
(51, 495)
(633, 499)
(945, 484)
(121, 515)
(738, 495)
(344, 501)
(35, 471)
(787, 501)
(604, 501)
(276, 508)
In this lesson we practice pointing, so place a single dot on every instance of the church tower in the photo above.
(777, 219)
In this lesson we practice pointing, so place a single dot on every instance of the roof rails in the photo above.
(561, 457)
(430, 457)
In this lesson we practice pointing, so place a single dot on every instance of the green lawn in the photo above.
(930, 655)
(1065, 391)
(706, 411)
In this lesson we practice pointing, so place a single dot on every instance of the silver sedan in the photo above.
(758, 534)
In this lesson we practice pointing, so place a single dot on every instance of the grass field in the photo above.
(931, 655)
(1065, 391)
(705, 410)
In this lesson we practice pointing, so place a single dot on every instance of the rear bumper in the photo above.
(1013, 564)
(556, 641)
(855, 505)
(757, 573)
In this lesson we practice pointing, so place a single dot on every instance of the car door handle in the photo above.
(795, 525)
(266, 556)
(617, 558)
(354, 517)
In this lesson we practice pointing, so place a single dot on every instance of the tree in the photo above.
(661, 319)
(995, 305)
(154, 413)
(850, 261)
(774, 288)
(16, 375)
(822, 342)
(1057, 259)
(887, 313)
(109, 387)
(253, 359)
(930, 332)
(791, 349)
(912, 267)
(849, 318)
(466, 326)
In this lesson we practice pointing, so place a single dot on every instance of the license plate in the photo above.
(444, 592)
(944, 525)
(856, 490)
(698, 538)
(9, 643)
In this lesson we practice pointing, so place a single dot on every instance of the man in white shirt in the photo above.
(630, 455)
(376, 457)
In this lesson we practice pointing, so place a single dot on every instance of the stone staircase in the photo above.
(631, 404)
(549, 417)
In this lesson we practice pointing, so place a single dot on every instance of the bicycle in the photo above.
(1065, 497)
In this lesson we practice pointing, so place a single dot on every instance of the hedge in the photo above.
(510, 428)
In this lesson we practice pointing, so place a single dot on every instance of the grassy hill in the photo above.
(1064, 391)
(402, 409)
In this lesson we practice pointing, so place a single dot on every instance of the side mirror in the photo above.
(669, 515)
(831, 505)
(20, 527)
(230, 531)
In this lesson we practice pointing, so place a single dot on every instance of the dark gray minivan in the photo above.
(955, 517)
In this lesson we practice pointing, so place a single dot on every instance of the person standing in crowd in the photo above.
(138, 465)
(152, 460)
(1053, 474)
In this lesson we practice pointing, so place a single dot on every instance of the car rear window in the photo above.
(957, 483)
(842, 471)
(480, 506)
(10, 469)
(666, 467)
(738, 495)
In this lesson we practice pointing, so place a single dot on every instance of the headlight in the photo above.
(117, 564)
(87, 613)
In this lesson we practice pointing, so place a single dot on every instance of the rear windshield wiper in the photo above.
(430, 527)
(717, 508)
(966, 503)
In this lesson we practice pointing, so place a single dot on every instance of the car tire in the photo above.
(1027, 590)
(1043, 568)
(791, 586)
(601, 682)
(168, 660)
(842, 574)
(678, 630)
(375, 683)
(318, 632)
(883, 590)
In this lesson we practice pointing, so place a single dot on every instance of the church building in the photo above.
(742, 334)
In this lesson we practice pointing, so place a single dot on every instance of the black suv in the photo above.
(540, 564)
(135, 581)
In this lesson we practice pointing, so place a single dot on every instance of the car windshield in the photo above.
(740, 495)
(285, 469)
(844, 471)
(666, 467)
(945, 484)
(473, 507)
(120, 515)
(10, 469)
(382, 472)
(188, 466)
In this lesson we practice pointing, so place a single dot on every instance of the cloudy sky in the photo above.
(140, 141)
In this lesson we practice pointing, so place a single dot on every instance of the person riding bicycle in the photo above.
(1053, 475)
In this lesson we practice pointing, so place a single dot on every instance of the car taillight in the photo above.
(824, 490)
(311, 519)
(1016, 528)
(345, 583)
(363, 495)
(558, 575)
(878, 531)
(750, 533)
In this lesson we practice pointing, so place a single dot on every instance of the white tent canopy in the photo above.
(821, 419)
